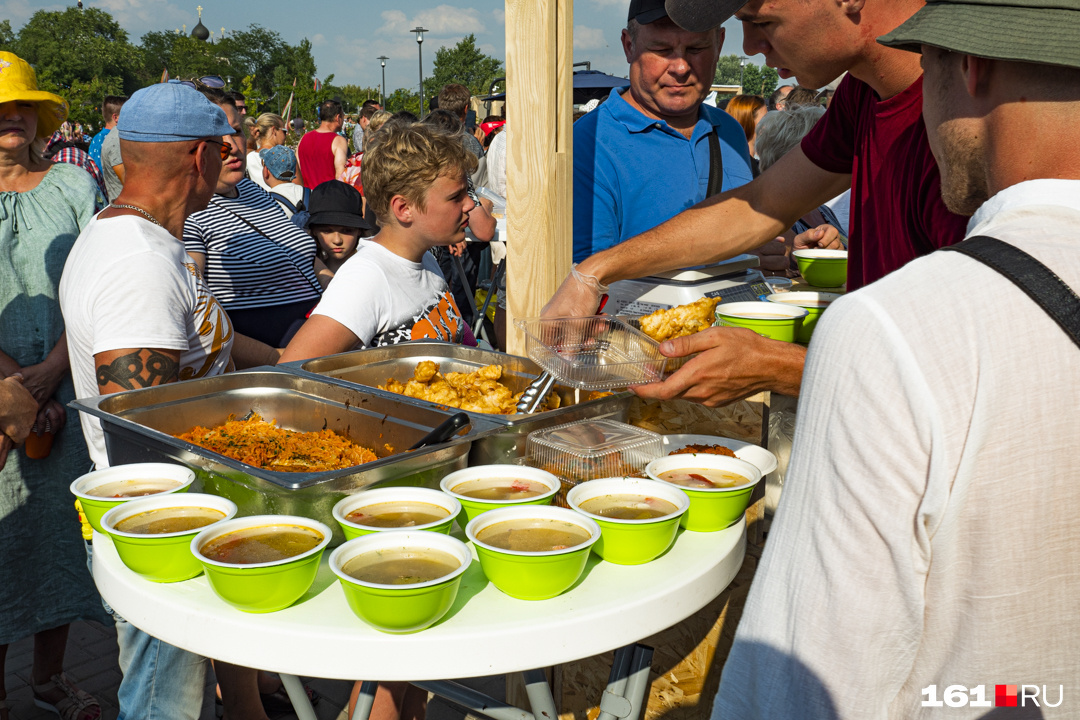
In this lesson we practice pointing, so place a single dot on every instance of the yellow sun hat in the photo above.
(18, 82)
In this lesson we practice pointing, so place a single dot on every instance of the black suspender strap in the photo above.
(716, 166)
(1038, 281)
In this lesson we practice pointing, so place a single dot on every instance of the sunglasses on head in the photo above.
(210, 81)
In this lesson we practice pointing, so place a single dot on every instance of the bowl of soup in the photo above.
(153, 534)
(534, 552)
(261, 563)
(779, 322)
(487, 487)
(638, 518)
(822, 268)
(813, 302)
(401, 582)
(102, 490)
(719, 487)
(396, 508)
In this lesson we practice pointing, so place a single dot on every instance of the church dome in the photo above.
(199, 32)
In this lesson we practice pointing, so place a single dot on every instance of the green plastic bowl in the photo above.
(95, 507)
(631, 542)
(782, 323)
(401, 608)
(167, 557)
(532, 575)
(351, 503)
(815, 303)
(474, 507)
(716, 509)
(261, 587)
(822, 268)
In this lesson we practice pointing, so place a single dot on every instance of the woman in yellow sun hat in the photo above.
(43, 207)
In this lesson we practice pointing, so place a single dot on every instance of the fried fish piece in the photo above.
(679, 321)
(478, 391)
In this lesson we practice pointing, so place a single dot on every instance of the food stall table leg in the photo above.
(473, 700)
(543, 704)
(459, 269)
(624, 697)
(300, 702)
(365, 699)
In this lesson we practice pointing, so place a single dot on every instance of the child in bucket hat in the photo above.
(337, 222)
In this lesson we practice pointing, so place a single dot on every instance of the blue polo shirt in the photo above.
(632, 172)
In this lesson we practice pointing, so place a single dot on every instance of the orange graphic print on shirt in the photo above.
(440, 320)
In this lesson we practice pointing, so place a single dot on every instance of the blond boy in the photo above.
(391, 290)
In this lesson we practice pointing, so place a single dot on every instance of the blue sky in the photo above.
(347, 36)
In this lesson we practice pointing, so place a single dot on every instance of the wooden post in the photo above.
(539, 166)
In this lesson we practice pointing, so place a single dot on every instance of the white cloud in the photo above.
(441, 20)
(318, 40)
(500, 15)
(587, 38)
(141, 16)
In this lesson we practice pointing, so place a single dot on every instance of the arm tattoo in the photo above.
(138, 369)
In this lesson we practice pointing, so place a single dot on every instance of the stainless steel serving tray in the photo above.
(371, 367)
(139, 426)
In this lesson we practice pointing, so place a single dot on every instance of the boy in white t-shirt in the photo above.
(392, 290)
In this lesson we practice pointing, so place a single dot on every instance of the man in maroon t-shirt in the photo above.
(872, 139)
(322, 152)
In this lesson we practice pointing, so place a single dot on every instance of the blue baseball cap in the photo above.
(170, 112)
(280, 161)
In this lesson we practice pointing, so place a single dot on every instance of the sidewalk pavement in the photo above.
(91, 663)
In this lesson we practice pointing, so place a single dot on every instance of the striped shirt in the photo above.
(255, 257)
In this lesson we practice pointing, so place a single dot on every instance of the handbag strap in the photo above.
(716, 165)
(1039, 282)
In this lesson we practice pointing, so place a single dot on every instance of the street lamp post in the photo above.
(742, 71)
(382, 60)
(420, 49)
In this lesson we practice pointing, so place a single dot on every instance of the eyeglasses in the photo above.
(210, 81)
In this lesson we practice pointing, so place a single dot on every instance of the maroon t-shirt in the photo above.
(316, 155)
(897, 213)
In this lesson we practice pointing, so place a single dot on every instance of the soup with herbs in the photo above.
(401, 566)
(266, 543)
(169, 520)
(628, 507)
(134, 488)
(503, 489)
(533, 535)
(703, 478)
(401, 513)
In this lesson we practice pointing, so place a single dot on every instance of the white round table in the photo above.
(485, 633)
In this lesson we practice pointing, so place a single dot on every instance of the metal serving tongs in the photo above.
(535, 393)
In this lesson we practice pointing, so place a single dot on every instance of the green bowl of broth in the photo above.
(775, 321)
(396, 508)
(534, 552)
(638, 518)
(262, 563)
(152, 535)
(814, 302)
(488, 487)
(822, 268)
(719, 487)
(401, 582)
(102, 490)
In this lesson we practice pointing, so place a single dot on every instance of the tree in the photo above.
(7, 37)
(403, 99)
(755, 79)
(463, 64)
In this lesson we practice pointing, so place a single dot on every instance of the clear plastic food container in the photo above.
(591, 449)
(593, 353)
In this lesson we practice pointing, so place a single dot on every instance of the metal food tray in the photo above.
(600, 352)
(139, 426)
(372, 367)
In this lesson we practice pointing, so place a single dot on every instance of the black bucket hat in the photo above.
(692, 15)
(337, 203)
(1034, 31)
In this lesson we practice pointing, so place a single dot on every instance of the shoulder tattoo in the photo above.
(138, 369)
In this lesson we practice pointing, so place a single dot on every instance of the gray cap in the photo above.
(170, 112)
(701, 15)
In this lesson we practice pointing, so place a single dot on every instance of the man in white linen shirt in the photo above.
(925, 557)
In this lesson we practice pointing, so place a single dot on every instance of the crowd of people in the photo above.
(190, 240)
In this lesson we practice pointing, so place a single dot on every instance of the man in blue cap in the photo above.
(926, 547)
(654, 149)
(138, 314)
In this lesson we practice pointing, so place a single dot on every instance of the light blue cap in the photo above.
(170, 112)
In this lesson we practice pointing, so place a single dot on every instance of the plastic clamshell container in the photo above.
(600, 352)
(401, 608)
(162, 557)
(592, 449)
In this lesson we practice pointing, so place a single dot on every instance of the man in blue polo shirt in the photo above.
(644, 155)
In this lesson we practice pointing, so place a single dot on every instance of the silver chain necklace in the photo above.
(139, 210)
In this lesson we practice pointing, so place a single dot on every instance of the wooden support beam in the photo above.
(539, 167)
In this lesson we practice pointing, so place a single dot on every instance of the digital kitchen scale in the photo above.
(733, 280)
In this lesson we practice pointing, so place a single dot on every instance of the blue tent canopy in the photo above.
(586, 83)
